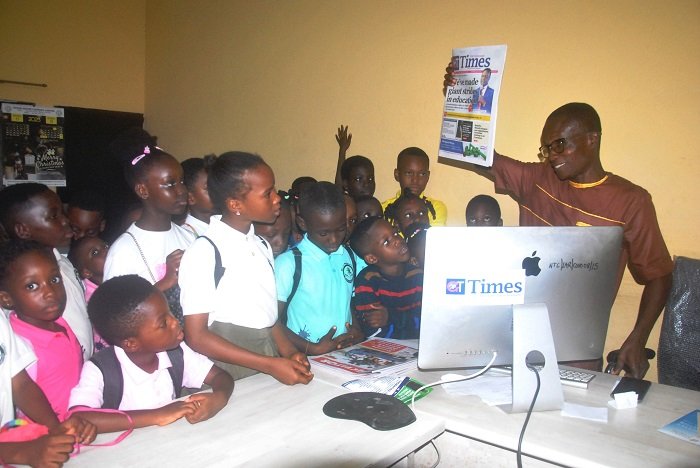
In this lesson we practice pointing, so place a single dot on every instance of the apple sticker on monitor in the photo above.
(531, 265)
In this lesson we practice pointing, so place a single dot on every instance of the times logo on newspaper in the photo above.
(471, 106)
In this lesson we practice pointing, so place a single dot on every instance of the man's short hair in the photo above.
(321, 197)
(583, 113)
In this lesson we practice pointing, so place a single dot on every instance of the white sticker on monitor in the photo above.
(487, 288)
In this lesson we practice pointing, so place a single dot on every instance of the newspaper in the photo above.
(371, 358)
(471, 106)
(400, 387)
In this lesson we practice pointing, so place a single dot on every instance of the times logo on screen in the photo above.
(485, 287)
(454, 286)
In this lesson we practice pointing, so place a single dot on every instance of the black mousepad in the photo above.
(378, 411)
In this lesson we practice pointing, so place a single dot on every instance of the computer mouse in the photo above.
(378, 411)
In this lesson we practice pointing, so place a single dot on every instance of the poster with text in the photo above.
(32, 144)
(471, 105)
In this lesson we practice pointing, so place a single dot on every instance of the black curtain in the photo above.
(89, 163)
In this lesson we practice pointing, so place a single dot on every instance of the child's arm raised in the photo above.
(172, 266)
(208, 404)
(201, 339)
(343, 138)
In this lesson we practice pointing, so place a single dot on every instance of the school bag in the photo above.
(219, 269)
(107, 362)
(296, 278)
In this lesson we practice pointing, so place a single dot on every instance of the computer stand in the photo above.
(532, 333)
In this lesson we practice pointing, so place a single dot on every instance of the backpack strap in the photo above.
(263, 241)
(219, 269)
(296, 278)
(177, 369)
(113, 389)
(268, 248)
(352, 259)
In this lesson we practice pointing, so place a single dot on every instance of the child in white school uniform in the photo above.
(153, 245)
(32, 211)
(230, 304)
(148, 361)
(199, 205)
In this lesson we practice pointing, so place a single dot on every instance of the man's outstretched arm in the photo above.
(632, 357)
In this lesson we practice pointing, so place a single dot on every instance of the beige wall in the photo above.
(90, 53)
(278, 77)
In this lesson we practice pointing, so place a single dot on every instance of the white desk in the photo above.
(480, 435)
(266, 424)
(630, 438)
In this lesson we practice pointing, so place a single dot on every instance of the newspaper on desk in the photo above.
(471, 106)
(372, 358)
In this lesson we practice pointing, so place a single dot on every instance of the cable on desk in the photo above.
(442, 381)
(529, 413)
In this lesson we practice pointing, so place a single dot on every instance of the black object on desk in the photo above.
(629, 384)
(378, 411)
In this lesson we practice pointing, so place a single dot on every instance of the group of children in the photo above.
(271, 278)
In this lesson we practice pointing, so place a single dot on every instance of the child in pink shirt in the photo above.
(31, 286)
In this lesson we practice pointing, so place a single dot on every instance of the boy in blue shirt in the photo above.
(316, 305)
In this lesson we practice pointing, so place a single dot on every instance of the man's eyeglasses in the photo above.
(557, 146)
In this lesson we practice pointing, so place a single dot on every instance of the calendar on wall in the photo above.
(32, 144)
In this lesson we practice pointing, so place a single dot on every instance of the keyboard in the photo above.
(575, 378)
(568, 377)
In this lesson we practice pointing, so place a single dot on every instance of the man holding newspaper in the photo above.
(570, 187)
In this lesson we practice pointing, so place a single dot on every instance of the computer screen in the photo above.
(474, 275)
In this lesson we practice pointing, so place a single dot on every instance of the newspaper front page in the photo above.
(471, 106)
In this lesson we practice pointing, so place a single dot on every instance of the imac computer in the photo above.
(474, 276)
